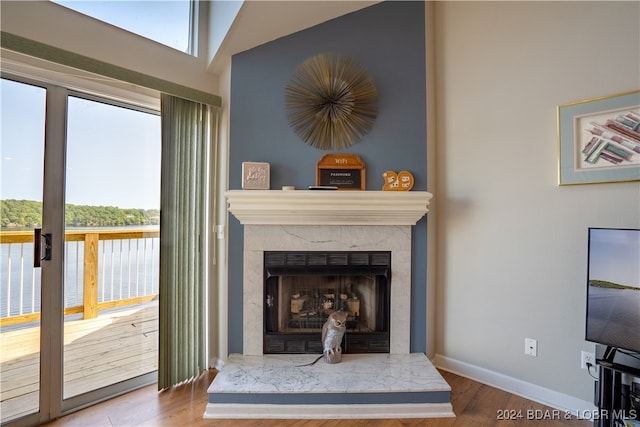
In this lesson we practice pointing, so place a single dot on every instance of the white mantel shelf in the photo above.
(322, 207)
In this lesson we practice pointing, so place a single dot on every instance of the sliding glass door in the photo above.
(82, 326)
(112, 245)
(22, 117)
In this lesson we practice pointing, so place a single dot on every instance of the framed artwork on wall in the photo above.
(599, 140)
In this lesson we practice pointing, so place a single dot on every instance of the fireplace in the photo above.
(327, 221)
(303, 287)
(306, 253)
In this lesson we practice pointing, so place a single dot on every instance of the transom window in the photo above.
(167, 22)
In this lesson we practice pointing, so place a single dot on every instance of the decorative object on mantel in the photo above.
(341, 171)
(402, 181)
(600, 140)
(331, 101)
(255, 176)
(323, 187)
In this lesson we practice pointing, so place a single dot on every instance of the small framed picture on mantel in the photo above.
(343, 171)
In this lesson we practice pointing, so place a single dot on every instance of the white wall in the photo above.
(511, 252)
(219, 314)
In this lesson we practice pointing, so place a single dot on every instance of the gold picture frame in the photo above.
(599, 140)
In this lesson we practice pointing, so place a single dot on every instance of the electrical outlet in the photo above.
(587, 357)
(530, 347)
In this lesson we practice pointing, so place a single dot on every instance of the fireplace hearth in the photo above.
(303, 287)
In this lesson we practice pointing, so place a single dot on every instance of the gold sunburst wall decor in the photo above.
(331, 101)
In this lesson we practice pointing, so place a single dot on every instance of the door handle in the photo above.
(37, 247)
(37, 233)
(47, 247)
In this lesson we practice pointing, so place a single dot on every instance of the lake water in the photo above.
(614, 317)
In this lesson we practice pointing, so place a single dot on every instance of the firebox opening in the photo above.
(303, 288)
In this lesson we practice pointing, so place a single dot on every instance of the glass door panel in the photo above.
(112, 245)
(22, 149)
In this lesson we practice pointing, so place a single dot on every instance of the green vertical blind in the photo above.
(186, 134)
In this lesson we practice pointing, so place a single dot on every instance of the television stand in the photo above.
(609, 354)
(612, 408)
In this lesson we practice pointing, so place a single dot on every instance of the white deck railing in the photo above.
(102, 269)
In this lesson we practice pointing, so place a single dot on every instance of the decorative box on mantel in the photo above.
(317, 207)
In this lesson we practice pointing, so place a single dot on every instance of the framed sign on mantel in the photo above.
(342, 171)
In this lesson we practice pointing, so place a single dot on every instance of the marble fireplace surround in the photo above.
(256, 385)
(311, 220)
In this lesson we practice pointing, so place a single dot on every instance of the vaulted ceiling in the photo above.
(259, 22)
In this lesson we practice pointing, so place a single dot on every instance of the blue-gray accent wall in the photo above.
(388, 39)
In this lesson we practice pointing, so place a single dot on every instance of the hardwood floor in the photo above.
(474, 404)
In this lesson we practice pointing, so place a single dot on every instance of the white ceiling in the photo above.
(261, 21)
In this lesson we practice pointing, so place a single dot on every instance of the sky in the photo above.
(614, 256)
(164, 21)
(113, 153)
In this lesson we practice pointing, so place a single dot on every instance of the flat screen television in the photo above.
(613, 288)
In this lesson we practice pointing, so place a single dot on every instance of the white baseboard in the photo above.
(545, 396)
(258, 411)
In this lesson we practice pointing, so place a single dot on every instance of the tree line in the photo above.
(28, 213)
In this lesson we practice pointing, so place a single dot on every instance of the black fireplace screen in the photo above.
(303, 288)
